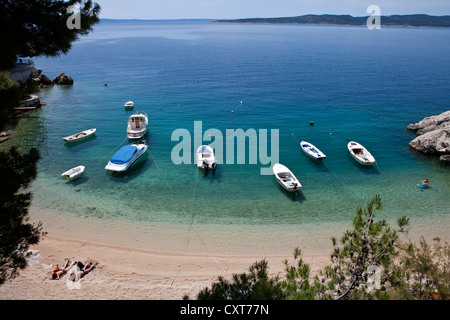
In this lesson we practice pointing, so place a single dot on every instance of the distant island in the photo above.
(412, 20)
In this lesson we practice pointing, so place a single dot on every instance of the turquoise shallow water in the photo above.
(366, 85)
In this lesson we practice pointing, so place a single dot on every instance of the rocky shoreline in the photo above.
(44, 81)
(433, 136)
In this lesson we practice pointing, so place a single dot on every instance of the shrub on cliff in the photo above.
(369, 262)
(39, 27)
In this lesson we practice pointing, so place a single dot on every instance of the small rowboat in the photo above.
(129, 105)
(360, 154)
(80, 135)
(74, 173)
(312, 151)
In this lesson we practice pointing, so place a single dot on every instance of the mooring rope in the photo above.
(191, 221)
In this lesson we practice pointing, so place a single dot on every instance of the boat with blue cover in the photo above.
(125, 157)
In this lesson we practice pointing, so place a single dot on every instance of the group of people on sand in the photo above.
(77, 273)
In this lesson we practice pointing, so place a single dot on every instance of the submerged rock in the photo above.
(63, 79)
(434, 135)
(45, 80)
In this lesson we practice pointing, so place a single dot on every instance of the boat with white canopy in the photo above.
(137, 125)
(205, 157)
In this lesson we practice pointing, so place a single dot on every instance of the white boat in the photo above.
(80, 135)
(129, 105)
(125, 157)
(137, 125)
(206, 157)
(360, 154)
(74, 173)
(286, 178)
(312, 151)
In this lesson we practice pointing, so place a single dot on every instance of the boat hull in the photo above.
(136, 135)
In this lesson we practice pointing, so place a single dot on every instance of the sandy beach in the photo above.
(155, 262)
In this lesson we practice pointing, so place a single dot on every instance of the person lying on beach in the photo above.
(83, 270)
(57, 272)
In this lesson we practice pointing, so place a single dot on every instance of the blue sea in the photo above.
(351, 82)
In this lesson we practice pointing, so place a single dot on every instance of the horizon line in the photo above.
(308, 14)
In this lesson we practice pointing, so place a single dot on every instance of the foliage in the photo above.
(254, 285)
(16, 233)
(426, 271)
(298, 284)
(365, 254)
(11, 93)
(39, 27)
(28, 28)
(369, 247)
(369, 262)
(36, 28)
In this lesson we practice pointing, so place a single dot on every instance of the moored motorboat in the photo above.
(312, 151)
(286, 178)
(129, 105)
(360, 154)
(74, 173)
(125, 157)
(137, 125)
(206, 158)
(80, 135)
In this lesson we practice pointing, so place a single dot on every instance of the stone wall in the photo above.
(22, 72)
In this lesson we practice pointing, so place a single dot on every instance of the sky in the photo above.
(236, 9)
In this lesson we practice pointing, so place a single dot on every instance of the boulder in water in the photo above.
(433, 135)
